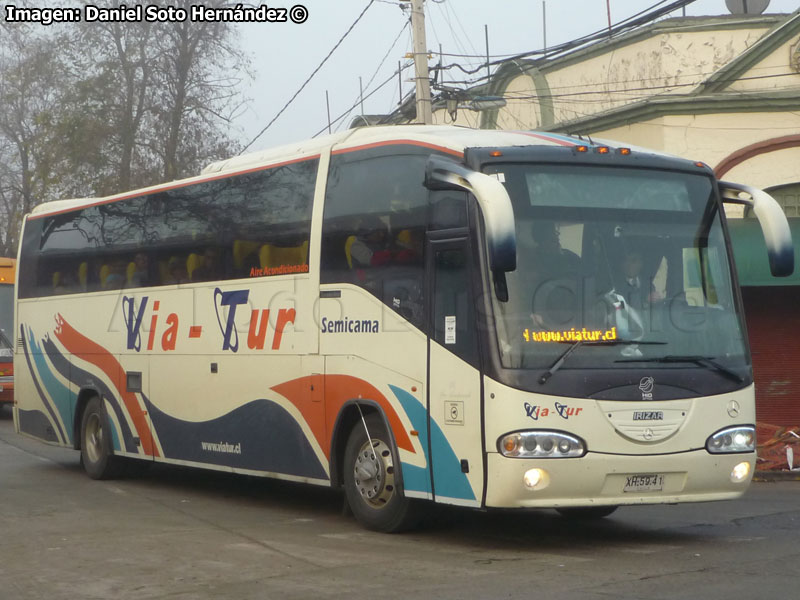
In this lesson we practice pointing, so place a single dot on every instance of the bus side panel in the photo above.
(238, 412)
(45, 400)
(401, 400)
(221, 394)
(61, 358)
(455, 427)
(375, 354)
(197, 375)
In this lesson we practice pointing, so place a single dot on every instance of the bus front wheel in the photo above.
(371, 478)
(97, 456)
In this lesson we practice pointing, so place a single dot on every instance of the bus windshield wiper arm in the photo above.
(564, 355)
(707, 361)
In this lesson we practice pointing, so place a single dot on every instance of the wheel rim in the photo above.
(93, 441)
(373, 473)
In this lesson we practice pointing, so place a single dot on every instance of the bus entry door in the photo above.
(454, 391)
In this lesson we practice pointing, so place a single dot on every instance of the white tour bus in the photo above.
(479, 318)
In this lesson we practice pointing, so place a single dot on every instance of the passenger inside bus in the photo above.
(637, 289)
(554, 277)
(111, 277)
(208, 267)
(137, 274)
(409, 244)
(176, 271)
(370, 246)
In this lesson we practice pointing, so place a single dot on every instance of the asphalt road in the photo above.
(177, 534)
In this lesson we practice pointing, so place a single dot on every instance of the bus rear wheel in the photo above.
(97, 455)
(371, 479)
(587, 513)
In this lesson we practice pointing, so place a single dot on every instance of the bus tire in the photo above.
(586, 513)
(97, 456)
(370, 479)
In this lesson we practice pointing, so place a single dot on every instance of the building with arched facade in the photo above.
(723, 90)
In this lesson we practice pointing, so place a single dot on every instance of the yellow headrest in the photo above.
(348, 244)
(192, 262)
(105, 271)
(83, 274)
(241, 250)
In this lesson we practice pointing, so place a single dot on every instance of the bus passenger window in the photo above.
(373, 229)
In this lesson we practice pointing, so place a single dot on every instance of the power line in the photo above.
(444, 13)
(451, 9)
(310, 77)
(349, 110)
(375, 73)
(643, 17)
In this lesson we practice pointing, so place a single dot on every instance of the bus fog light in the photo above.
(741, 438)
(536, 479)
(740, 472)
(541, 444)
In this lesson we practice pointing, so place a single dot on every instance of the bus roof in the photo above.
(444, 137)
(447, 137)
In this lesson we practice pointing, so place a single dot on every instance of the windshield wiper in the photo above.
(564, 355)
(704, 361)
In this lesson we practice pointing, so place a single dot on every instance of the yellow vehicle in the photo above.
(8, 275)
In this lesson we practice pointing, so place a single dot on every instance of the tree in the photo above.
(199, 74)
(31, 82)
(118, 84)
(93, 109)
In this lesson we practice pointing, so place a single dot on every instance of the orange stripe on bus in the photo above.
(399, 143)
(338, 389)
(81, 346)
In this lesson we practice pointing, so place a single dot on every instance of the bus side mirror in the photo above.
(493, 200)
(774, 225)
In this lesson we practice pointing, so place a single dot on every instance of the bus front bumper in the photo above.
(603, 479)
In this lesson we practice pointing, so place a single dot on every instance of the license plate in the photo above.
(643, 483)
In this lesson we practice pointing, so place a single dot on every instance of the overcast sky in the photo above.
(285, 54)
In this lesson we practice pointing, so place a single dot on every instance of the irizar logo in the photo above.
(646, 386)
(648, 415)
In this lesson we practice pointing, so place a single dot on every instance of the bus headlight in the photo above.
(741, 438)
(541, 444)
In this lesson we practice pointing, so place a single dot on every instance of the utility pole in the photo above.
(424, 113)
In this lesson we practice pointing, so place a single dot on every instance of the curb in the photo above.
(772, 476)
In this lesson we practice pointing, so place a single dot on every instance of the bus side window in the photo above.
(374, 226)
(448, 210)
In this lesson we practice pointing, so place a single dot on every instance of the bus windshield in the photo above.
(629, 266)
